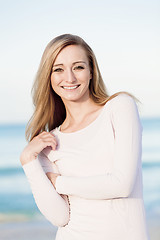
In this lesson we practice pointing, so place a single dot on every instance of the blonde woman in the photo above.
(83, 159)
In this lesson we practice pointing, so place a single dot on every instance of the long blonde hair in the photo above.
(49, 110)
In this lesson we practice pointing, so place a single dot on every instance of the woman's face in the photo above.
(71, 74)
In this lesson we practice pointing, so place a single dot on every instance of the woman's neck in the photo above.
(77, 112)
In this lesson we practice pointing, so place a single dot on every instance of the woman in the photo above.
(83, 160)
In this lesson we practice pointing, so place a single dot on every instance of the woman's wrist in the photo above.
(26, 158)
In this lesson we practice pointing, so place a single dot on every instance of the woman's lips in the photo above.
(70, 87)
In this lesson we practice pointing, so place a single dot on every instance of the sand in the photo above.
(154, 228)
(33, 230)
(43, 230)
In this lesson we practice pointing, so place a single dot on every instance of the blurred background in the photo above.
(125, 37)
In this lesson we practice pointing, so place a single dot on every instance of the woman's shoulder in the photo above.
(122, 106)
(122, 100)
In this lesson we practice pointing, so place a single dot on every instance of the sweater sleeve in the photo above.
(127, 155)
(53, 206)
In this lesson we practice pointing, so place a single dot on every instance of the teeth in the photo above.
(70, 87)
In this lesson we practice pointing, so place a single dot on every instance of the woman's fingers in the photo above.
(51, 144)
(38, 143)
(47, 139)
(44, 133)
(45, 136)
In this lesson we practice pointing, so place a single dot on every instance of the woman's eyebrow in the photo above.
(61, 64)
(79, 62)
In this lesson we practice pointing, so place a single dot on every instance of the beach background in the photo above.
(19, 216)
(125, 37)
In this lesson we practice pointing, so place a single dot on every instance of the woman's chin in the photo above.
(71, 99)
(75, 96)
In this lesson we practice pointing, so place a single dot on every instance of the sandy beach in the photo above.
(154, 228)
(32, 230)
(43, 230)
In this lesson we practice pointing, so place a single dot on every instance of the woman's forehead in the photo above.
(71, 53)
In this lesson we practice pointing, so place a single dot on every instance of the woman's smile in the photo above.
(71, 87)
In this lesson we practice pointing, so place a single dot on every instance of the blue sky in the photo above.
(124, 35)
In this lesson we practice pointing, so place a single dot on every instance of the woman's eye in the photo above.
(79, 67)
(58, 70)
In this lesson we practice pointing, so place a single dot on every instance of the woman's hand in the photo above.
(52, 177)
(38, 143)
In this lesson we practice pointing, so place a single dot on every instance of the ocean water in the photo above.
(15, 193)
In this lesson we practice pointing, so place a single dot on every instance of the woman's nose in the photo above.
(70, 77)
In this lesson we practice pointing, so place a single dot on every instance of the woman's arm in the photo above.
(127, 156)
(53, 206)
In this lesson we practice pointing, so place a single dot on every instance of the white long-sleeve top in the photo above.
(101, 177)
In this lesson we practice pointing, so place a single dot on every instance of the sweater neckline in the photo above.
(85, 128)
